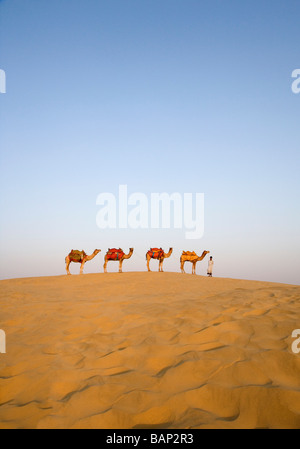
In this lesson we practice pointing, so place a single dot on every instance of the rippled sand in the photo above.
(148, 350)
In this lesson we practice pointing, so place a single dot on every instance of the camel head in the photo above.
(204, 253)
(127, 256)
(169, 253)
(97, 251)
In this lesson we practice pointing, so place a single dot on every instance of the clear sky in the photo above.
(162, 96)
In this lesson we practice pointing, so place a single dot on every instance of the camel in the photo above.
(117, 255)
(159, 254)
(188, 256)
(79, 257)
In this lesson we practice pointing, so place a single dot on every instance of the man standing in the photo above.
(210, 267)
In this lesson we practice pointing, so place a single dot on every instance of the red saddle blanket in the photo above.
(114, 254)
(156, 253)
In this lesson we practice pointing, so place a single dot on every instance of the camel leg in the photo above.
(182, 266)
(148, 261)
(67, 265)
(105, 266)
(160, 268)
(81, 266)
(120, 266)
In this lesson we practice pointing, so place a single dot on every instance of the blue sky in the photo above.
(163, 96)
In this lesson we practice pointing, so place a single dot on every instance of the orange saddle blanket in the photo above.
(114, 254)
(189, 253)
(156, 253)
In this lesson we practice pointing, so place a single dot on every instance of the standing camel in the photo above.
(116, 254)
(79, 257)
(159, 254)
(188, 256)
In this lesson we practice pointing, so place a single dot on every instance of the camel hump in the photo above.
(114, 250)
(77, 256)
(115, 254)
(156, 253)
(189, 253)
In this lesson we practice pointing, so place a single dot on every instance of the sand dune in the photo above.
(148, 350)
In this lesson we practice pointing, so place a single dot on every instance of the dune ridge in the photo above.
(148, 350)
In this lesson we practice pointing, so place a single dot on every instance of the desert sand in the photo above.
(148, 350)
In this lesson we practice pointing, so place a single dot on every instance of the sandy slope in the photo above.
(151, 350)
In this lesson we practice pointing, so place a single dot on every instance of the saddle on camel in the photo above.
(77, 256)
(114, 254)
(155, 253)
(189, 253)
